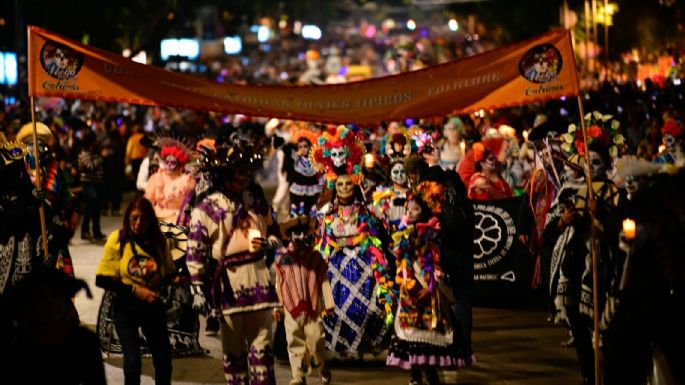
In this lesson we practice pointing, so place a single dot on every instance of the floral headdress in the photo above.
(601, 130)
(423, 139)
(338, 151)
(179, 148)
(432, 194)
(401, 137)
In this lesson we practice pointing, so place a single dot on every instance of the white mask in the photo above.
(398, 175)
(170, 163)
(339, 156)
(670, 141)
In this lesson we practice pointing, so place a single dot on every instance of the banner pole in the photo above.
(39, 181)
(593, 245)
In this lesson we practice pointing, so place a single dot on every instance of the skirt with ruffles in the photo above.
(408, 354)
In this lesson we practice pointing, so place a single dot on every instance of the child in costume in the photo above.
(304, 290)
(423, 339)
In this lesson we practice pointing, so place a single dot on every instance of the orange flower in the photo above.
(594, 131)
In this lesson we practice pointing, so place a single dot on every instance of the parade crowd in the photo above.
(365, 248)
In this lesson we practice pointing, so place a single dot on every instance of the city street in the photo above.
(512, 346)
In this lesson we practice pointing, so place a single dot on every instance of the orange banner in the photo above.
(536, 70)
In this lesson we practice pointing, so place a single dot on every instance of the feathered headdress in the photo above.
(338, 145)
(602, 130)
(179, 148)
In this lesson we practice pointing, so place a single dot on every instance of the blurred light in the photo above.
(284, 75)
(563, 112)
(453, 25)
(233, 45)
(189, 48)
(141, 57)
(409, 122)
(619, 109)
(370, 32)
(254, 28)
(311, 32)
(126, 52)
(297, 27)
(411, 24)
(677, 81)
(388, 24)
(662, 148)
(282, 24)
(8, 68)
(563, 98)
(263, 34)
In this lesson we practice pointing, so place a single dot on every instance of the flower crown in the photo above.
(423, 139)
(328, 144)
(401, 137)
(432, 194)
(601, 129)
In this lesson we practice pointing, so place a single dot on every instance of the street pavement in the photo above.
(512, 346)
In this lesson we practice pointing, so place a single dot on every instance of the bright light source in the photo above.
(9, 69)
(370, 32)
(411, 24)
(189, 48)
(297, 27)
(311, 32)
(282, 24)
(677, 81)
(141, 57)
(453, 25)
(233, 45)
(126, 52)
(263, 34)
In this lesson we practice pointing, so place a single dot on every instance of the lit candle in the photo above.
(462, 146)
(629, 228)
(251, 235)
(369, 160)
(525, 135)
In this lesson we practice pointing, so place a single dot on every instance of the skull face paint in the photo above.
(669, 141)
(633, 184)
(170, 163)
(598, 168)
(344, 188)
(398, 175)
(339, 156)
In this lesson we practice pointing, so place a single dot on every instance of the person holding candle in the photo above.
(234, 226)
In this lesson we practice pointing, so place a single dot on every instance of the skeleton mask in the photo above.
(339, 156)
(598, 168)
(61, 60)
(398, 175)
(170, 163)
(670, 141)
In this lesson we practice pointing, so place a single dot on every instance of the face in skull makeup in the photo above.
(633, 184)
(598, 168)
(669, 141)
(339, 156)
(170, 163)
(344, 188)
(398, 175)
(570, 173)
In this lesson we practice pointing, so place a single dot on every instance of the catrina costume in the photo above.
(21, 247)
(350, 239)
(572, 256)
(423, 329)
(389, 201)
(59, 203)
(305, 182)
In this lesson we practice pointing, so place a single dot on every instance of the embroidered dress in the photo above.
(357, 271)
(423, 332)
